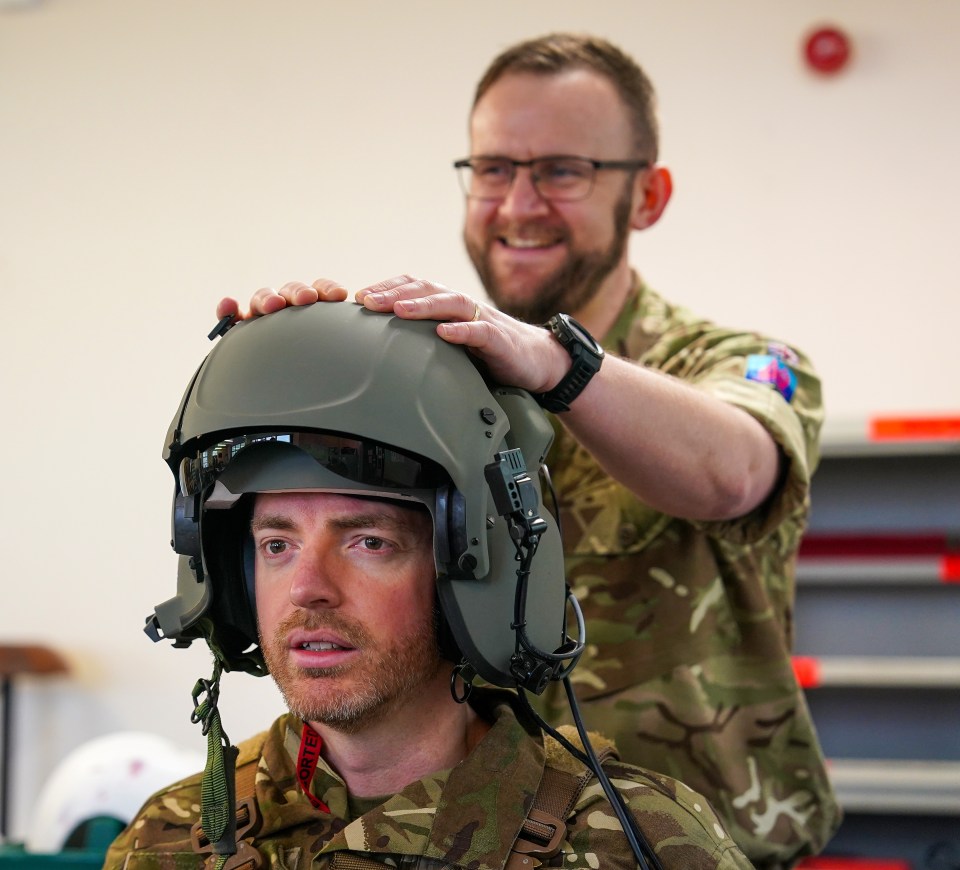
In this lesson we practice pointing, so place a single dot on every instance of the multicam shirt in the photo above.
(689, 623)
(466, 817)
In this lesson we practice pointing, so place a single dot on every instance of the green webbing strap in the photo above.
(218, 815)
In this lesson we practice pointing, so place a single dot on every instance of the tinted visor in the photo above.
(359, 460)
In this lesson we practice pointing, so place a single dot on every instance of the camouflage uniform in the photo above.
(689, 623)
(467, 817)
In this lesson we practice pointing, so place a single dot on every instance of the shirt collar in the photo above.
(616, 337)
(469, 815)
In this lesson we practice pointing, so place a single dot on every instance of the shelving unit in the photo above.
(878, 643)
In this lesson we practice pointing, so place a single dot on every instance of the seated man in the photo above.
(358, 513)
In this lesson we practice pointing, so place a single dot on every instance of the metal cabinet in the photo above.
(878, 644)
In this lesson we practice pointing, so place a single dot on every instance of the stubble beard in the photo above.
(571, 286)
(386, 677)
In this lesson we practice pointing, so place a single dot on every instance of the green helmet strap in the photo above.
(218, 818)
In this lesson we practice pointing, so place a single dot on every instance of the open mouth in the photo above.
(322, 646)
(526, 244)
(322, 653)
(321, 641)
(530, 238)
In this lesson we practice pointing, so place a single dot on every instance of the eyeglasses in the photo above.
(560, 178)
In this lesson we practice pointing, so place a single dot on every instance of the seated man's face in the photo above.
(345, 603)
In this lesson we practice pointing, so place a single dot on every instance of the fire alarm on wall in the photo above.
(827, 50)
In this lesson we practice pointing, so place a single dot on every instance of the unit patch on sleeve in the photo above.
(772, 368)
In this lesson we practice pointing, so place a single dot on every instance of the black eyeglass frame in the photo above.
(467, 163)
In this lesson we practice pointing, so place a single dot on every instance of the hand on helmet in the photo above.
(516, 353)
(267, 300)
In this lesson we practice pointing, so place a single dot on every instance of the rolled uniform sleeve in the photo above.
(793, 418)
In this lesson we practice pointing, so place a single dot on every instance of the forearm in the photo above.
(677, 448)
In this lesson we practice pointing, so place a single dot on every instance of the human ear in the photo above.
(655, 187)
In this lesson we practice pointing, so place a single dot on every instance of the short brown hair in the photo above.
(558, 52)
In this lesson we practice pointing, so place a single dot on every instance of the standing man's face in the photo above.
(345, 603)
(536, 258)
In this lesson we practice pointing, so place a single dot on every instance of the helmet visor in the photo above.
(362, 461)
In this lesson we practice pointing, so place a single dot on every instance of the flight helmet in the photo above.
(332, 397)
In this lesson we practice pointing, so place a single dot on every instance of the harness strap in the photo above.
(545, 828)
(351, 861)
(246, 778)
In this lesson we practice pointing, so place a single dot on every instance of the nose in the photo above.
(314, 583)
(523, 199)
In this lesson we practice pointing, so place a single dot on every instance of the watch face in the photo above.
(577, 333)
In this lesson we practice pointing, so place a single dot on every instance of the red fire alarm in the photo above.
(827, 50)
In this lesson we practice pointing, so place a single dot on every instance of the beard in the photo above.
(570, 286)
(350, 697)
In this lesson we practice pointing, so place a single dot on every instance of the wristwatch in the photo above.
(586, 354)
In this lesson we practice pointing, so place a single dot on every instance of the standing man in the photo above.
(685, 453)
(351, 501)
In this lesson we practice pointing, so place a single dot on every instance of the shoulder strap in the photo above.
(246, 777)
(545, 827)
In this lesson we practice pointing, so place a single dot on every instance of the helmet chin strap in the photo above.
(218, 815)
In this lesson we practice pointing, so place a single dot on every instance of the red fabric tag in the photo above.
(310, 745)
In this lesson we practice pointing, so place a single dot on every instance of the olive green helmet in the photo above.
(332, 397)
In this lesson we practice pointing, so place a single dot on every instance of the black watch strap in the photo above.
(587, 355)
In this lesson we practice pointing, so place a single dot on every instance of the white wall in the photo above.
(155, 156)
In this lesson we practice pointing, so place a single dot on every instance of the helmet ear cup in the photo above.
(248, 577)
(450, 542)
(186, 525)
(450, 529)
(228, 556)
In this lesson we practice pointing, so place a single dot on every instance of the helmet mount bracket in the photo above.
(516, 499)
